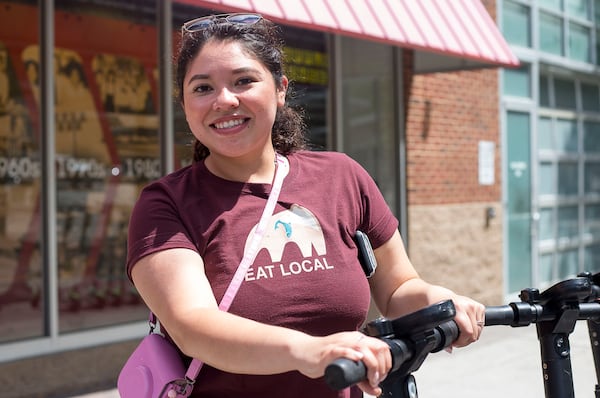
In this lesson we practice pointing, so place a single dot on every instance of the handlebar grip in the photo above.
(499, 315)
(344, 372)
(446, 333)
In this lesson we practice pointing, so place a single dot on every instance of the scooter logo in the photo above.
(298, 226)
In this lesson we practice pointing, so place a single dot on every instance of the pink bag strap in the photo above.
(249, 255)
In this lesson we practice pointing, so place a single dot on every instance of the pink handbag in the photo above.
(155, 368)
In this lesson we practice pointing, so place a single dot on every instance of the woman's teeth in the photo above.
(229, 124)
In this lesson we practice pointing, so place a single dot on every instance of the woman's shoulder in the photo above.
(173, 181)
(337, 163)
(323, 157)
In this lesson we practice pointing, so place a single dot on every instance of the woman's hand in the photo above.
(470, 318)
(319, 352)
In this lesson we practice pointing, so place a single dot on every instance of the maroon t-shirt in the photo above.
(306, 275)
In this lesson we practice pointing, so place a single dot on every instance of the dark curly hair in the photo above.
(263, 40)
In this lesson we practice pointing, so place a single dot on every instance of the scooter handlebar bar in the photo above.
(343, 372)
(523, 314)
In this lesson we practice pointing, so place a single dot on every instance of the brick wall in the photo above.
(449, 241)
(447, 115)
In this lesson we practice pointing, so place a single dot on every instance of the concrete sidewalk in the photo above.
(504, 363)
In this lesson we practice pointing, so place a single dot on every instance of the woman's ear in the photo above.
(282, 91)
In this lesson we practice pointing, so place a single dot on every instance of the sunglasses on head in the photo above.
(203, 22)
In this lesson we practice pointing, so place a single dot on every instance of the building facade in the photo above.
(551, 132)
(87, 119)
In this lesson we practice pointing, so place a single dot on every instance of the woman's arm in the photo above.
(397, 290)
(173, 284)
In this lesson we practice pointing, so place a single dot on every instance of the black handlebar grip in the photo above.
(445, 334)
(499, 315)
(344, 372)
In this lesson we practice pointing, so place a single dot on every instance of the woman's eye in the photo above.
(202, 89)
(245, 81)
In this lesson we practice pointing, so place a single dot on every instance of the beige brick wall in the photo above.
(451, 245)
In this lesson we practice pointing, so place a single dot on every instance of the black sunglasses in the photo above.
(203, 22)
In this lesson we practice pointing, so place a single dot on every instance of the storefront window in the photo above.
(307, 66)
(21, 271)
(107, 149)
(369, 113)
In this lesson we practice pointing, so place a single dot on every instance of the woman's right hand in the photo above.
(318, 352)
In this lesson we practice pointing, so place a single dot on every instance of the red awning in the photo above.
(446, 34)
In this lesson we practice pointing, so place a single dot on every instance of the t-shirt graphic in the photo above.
(296, 225)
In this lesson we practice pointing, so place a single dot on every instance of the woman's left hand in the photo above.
(470, 318)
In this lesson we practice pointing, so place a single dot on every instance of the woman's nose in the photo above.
(225, 100)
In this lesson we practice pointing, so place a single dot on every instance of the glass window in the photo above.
(592, 258)
(564, 94)
(107, 149)
(518, 200)
(21, 270)
(567, 178)
(551, 34)
(592, 221)
(580, 42)
(597, 43)
(307, 66)
(568, 222)
(566, 135)
(554, 5)
(544, 91)
(592, 178)
(578, 8)
(545, 136)
(517, 82)
(591, 137)
(369, 110)
(516, 23)
(547, 179)
(546, 267)
(568, 264)
(546, 224)
(590, 96)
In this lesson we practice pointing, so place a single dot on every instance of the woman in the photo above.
(305, 295)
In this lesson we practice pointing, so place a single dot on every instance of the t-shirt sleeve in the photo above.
(155, 224)
(377, 219)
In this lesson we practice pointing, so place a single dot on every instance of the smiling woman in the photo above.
(305, 294)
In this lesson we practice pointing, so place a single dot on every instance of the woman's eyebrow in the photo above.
(197, 77)
(244, 69)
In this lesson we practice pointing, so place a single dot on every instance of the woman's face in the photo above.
(230, 100)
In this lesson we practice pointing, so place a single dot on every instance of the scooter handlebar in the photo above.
(523, 314)
(343, 372)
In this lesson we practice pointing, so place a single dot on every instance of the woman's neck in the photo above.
(256, 170)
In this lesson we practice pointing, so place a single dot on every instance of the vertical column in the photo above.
(48, 172)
